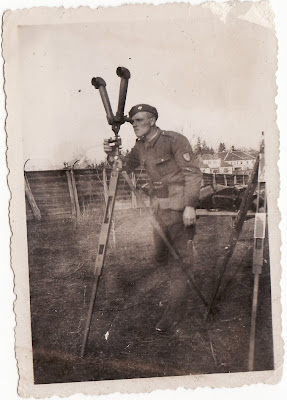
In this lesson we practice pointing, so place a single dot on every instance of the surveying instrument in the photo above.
(116, 121)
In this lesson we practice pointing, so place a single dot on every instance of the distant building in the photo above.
(240, 160)
(204, 168)
(227, 162)
(225, 168)
(212, 161)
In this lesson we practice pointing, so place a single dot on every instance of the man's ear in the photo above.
(152, 121)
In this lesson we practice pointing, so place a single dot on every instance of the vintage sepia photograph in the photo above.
(143, 149)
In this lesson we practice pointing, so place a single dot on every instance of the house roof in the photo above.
(253, 153)
(232, 156)
(209, 157)
(244, 155)
(221, 154)
(235, 155)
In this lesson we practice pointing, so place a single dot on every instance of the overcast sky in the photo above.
(208, 74)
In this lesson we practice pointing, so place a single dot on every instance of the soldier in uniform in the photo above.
(175, 181)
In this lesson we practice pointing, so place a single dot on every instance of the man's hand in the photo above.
(189, 216)
(108, 148)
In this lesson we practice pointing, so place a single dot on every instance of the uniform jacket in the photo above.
(168, 158)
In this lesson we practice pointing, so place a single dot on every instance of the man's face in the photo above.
(142, 123)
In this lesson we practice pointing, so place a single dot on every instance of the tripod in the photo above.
(256, 179)
(116, 121)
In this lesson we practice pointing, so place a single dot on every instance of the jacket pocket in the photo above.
(165, 165)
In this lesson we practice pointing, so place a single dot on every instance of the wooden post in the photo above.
(73, 205)
(28, 192)
(235, 179)
(134, 200)
(74, 188)
(225, 179)
(214, 179)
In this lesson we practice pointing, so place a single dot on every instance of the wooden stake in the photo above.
(28, 192)
(134, 199)
(73, 205)
(74, 187)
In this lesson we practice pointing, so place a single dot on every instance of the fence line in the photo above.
(67, 193)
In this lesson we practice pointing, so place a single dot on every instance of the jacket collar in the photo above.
(152, 142)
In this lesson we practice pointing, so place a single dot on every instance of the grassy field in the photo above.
(123, 342)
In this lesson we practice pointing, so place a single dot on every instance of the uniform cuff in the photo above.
(191, 201)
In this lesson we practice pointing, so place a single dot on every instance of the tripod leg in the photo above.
(257, 270)
(106, 225)
(102, 249)
(245, 203)
(89, 317)
(253, 323)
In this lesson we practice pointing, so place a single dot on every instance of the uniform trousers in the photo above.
(171, 222)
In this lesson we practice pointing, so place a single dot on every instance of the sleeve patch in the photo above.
(186, 156)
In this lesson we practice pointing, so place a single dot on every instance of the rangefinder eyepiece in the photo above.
(98, 82)
(123, 72)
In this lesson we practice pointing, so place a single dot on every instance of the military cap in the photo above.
(141, 108)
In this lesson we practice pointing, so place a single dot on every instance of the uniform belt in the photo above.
(158, 189)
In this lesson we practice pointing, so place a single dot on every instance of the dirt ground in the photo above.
(123, 342)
